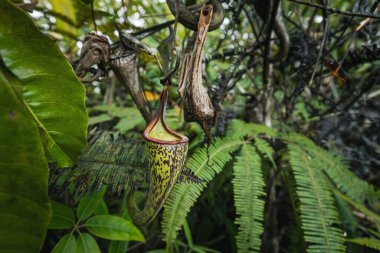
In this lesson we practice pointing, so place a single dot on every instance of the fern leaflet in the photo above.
(248, 185)
(319, 215)
(369, 214)
(264, 148)
(369, 242)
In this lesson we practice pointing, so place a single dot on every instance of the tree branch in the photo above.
(335, 10)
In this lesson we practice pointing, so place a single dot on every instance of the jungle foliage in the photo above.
(294, 157)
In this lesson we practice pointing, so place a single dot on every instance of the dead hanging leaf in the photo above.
(95, 51)
(125, 66)
(186, 64)
(197, 103)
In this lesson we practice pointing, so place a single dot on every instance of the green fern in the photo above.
(319, 216)
(345, 180)
(248, 185)
(184, 195)
(295, 234)
(118, 162)
(238, 129)
(349, 222)
(368, 242)
(369, 214)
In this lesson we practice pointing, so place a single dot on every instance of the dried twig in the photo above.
(335, 10)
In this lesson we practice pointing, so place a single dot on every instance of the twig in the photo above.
(335, 10)
(347, 102)
(93, 16)
(175, 34)
(125, 10)
(324, 39)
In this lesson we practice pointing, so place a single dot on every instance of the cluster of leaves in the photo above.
(118, 229)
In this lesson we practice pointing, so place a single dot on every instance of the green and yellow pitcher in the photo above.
(167, 152)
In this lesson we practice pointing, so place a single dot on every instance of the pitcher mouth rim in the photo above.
(160, 115)
(182, 138)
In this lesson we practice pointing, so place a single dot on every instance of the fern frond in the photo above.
(349, 222)
(368, 242)
(264, 148)
(344, 179)
(238, 129)
(184, 195)
(369, 214)
(248, 185)
(295, 234)
(320, 219)
(118, 162)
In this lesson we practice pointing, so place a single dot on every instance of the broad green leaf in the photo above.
(87, 244)
(51, 91)
(63, 216)
(24, 204)
(67, 244)
(113, 228)
(89, 203)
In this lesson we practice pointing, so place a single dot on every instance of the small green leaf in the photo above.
(87, 244)
(126, 216)
(114, 228)
(67, 244)
(89, 203)
(187, 231)
(101, 208)
(118, 247)
(104, 117)
(63, 216)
